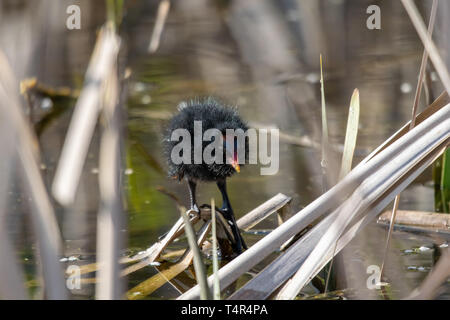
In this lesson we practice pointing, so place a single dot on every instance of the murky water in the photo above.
(273, 79)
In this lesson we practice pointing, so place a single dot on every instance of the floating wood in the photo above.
(419, 218)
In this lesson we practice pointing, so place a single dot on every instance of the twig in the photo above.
(263, 211)
(391, 228)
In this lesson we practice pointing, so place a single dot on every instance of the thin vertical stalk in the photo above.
(391, 228)
(200, 272)
(216, 290)
(324, 160)
(109, 237)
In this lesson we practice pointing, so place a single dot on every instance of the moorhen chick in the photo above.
(212, 114)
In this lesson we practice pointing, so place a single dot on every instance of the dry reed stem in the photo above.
(163, 11)
(84, 119)
(44, 221)
(109, 237)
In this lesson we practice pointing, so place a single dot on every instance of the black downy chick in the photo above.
(212, 114)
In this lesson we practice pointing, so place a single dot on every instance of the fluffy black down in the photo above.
(213, 115)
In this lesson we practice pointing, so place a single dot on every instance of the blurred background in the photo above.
(259, 55)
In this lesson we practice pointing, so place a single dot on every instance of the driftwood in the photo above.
(433, 220)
